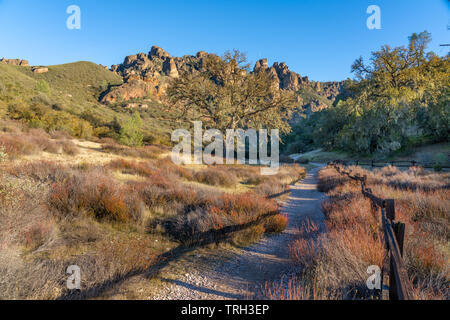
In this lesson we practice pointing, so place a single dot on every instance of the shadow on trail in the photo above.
(204, 290)
(203, 239)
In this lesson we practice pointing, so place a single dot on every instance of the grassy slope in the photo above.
(75, 87)
(426, 153)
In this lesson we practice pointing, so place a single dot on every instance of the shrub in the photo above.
(3, 154)
(271, 187)
(131, 134)
(147, 152)
(69, 147)
(305, 252)
(42, 86)
(95, 194)
(329, 179)
(17, 145)
(59, 135)
(276, 224)
(390, 171)
(41, 171)
(131, 167)
(216, 177)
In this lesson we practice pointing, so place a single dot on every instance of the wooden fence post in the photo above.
(399, 229)
(390, 209)
(392, 281)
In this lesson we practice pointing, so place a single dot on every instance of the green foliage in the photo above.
(39, 116)
(74, 91)
(3, 154)
(131, 134)
(42, 86)
(404, 92)
(440, 158)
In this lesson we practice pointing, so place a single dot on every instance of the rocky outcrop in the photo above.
(39, 70)
(170, 68)
(133, 89)
(153, 72)
(15, 62)
(286, 79)
(261, 65)
(331, 90)
(157, 52)
(282, 76)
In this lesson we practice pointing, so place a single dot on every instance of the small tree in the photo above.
(131, 134)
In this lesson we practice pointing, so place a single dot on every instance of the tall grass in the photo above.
(53, 215)
(32, 142)
(333, 264)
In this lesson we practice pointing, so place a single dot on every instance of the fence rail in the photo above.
(399, 163)
(395, 281)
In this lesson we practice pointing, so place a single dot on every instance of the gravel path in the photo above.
(247, 270)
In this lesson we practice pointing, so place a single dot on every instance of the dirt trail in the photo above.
(247, 269)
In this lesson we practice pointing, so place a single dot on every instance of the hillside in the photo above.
(66, 97)
(86, 99)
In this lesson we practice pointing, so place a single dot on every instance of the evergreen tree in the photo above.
(130, 133)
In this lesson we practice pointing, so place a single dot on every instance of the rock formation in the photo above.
(150, 74)
(151, 71)
(15, 62)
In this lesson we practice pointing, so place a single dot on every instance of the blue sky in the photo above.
(319, 39)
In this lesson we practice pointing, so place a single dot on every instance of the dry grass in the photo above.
(33, 142)
(216, 177)
(58, 213)
(147, 152)
(334, 263)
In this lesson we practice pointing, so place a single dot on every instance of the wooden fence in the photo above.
(400, 164)
(395, 281)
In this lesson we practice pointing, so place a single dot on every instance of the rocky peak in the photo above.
(261, 65)
(281, 75)
(157, 52)
(146, 74)
(201, 54)
(15, 62)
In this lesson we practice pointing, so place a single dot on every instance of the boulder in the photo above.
(39, 70)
